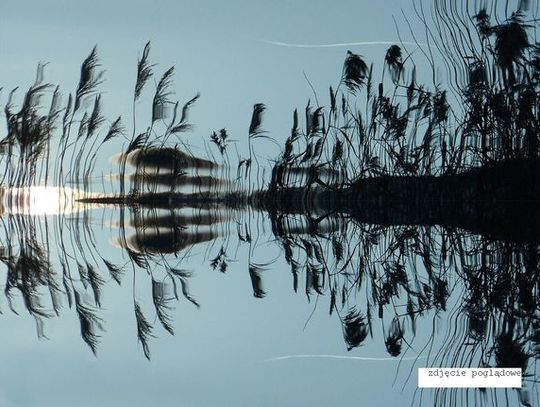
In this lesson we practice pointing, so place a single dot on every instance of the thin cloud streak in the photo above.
(339, 44)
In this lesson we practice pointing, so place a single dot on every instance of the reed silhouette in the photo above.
(387, 283)
(467, 156)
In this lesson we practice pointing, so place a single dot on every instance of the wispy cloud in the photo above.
(339, 44)
(339, 357)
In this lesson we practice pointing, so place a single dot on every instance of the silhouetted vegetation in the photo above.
(397, 203)
(375, 136)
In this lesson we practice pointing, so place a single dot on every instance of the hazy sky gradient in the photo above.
(216, 47)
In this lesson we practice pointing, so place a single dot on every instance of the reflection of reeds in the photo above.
(406, 136)
(406, 274)
(178, 219)
(390, 262)
(355, 329)
(167, 242)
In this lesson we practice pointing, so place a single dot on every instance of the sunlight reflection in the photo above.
(42, 200)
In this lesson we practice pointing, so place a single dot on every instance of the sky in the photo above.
(219, 49)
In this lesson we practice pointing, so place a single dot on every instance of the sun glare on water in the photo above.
(41, 200)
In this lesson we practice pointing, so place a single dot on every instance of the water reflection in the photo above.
(356, 205)
(477, 299)
(160, 232)
(42, 200)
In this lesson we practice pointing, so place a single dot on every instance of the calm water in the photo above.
(215, 306)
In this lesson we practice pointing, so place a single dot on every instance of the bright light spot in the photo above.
(41, 200)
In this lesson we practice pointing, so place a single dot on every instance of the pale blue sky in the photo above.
(216, 47)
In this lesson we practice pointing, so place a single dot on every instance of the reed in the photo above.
(487, 116)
